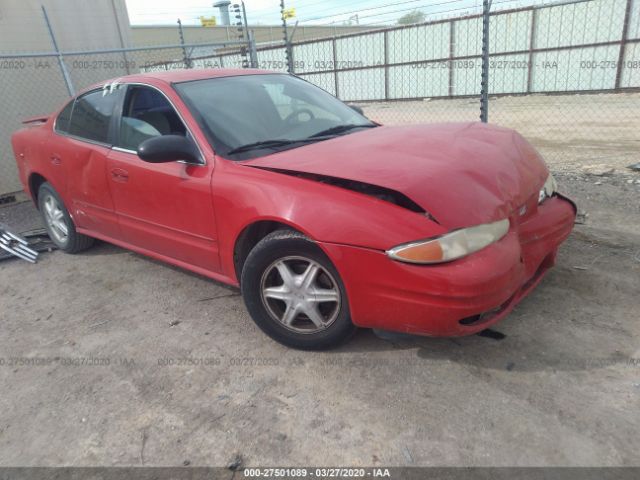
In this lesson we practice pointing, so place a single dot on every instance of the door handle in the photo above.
(119, 175)
(55, 159)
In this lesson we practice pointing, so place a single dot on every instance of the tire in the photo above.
(313, 286)
(56, 219)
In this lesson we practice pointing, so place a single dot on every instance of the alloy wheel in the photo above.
(300, 294)
(54, 217)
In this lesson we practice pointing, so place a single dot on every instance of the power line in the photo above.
(478, 8)
(368, 9)
(382, 13)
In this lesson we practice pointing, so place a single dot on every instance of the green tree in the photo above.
(415, 16)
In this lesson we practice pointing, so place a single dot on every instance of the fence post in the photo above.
(287, 40)
(119, 30)
(185, 56)
(386, 64)
(253, 50)
(452, 46)
(63, 67)
(623, 43)
(484, 83)
(532, 45)
(335, 65)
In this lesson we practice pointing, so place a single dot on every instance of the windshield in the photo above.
(250, 115)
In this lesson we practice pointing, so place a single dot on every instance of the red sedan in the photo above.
(326, 220)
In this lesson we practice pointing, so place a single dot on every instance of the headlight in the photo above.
(548, 189)
(450, 246)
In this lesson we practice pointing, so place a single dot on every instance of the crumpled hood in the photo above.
(462, 174)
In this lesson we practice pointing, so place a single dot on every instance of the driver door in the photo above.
(163, 208)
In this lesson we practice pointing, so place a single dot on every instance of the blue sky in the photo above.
(309, 12)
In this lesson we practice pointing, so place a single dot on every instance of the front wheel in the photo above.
(58, 222)
(294, 293)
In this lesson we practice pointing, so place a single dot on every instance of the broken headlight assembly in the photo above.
(452, 245)
(548, 189)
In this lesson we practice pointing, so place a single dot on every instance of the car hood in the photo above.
(462, 174)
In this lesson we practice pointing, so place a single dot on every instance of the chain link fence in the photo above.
(38, 84)
(575, 78)
(567, 76)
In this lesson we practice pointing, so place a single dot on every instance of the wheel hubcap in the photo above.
(300, 294)
(54, 217)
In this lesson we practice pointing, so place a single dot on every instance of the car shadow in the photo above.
(101, 249)
(520, 343)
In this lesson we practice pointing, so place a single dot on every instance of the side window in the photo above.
(92, 115)
(62, 122)
(146, 114)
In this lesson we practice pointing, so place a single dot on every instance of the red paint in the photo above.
(192, 216)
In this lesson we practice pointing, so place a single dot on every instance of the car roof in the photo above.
(184, 75)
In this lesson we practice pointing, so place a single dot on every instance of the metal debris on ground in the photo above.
(16, 245)
(25, 245)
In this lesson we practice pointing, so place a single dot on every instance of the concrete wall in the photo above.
(78, 24)
(35, 86)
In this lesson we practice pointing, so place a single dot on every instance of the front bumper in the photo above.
(460, 297)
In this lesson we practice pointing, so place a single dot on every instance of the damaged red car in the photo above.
(326, 220)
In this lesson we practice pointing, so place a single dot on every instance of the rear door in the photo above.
(80, 147)
(165, 208)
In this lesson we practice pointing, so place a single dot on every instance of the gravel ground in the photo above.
(110, 358)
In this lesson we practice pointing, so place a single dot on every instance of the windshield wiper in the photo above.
(340, 129)
(285, 142)
(264, 144)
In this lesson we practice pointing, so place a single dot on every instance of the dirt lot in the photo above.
(109, 358)
(571, 131)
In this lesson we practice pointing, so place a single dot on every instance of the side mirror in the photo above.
(357, 108)
(169, 148)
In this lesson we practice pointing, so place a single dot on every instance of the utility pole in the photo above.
(253, 55)
(287, 40)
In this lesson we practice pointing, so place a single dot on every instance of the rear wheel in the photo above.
(58, 222)
(294, 293)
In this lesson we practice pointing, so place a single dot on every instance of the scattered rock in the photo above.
(173, 323)
(634, 166)
(599, 170)
(186, 463)
(598, 183)
(510, 366)
(407, 454)
(235, 463)
(581, 218)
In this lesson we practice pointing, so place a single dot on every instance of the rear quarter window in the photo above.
(63, 118)
(91, 116)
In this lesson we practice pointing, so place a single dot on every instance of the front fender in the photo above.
(243, 195)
